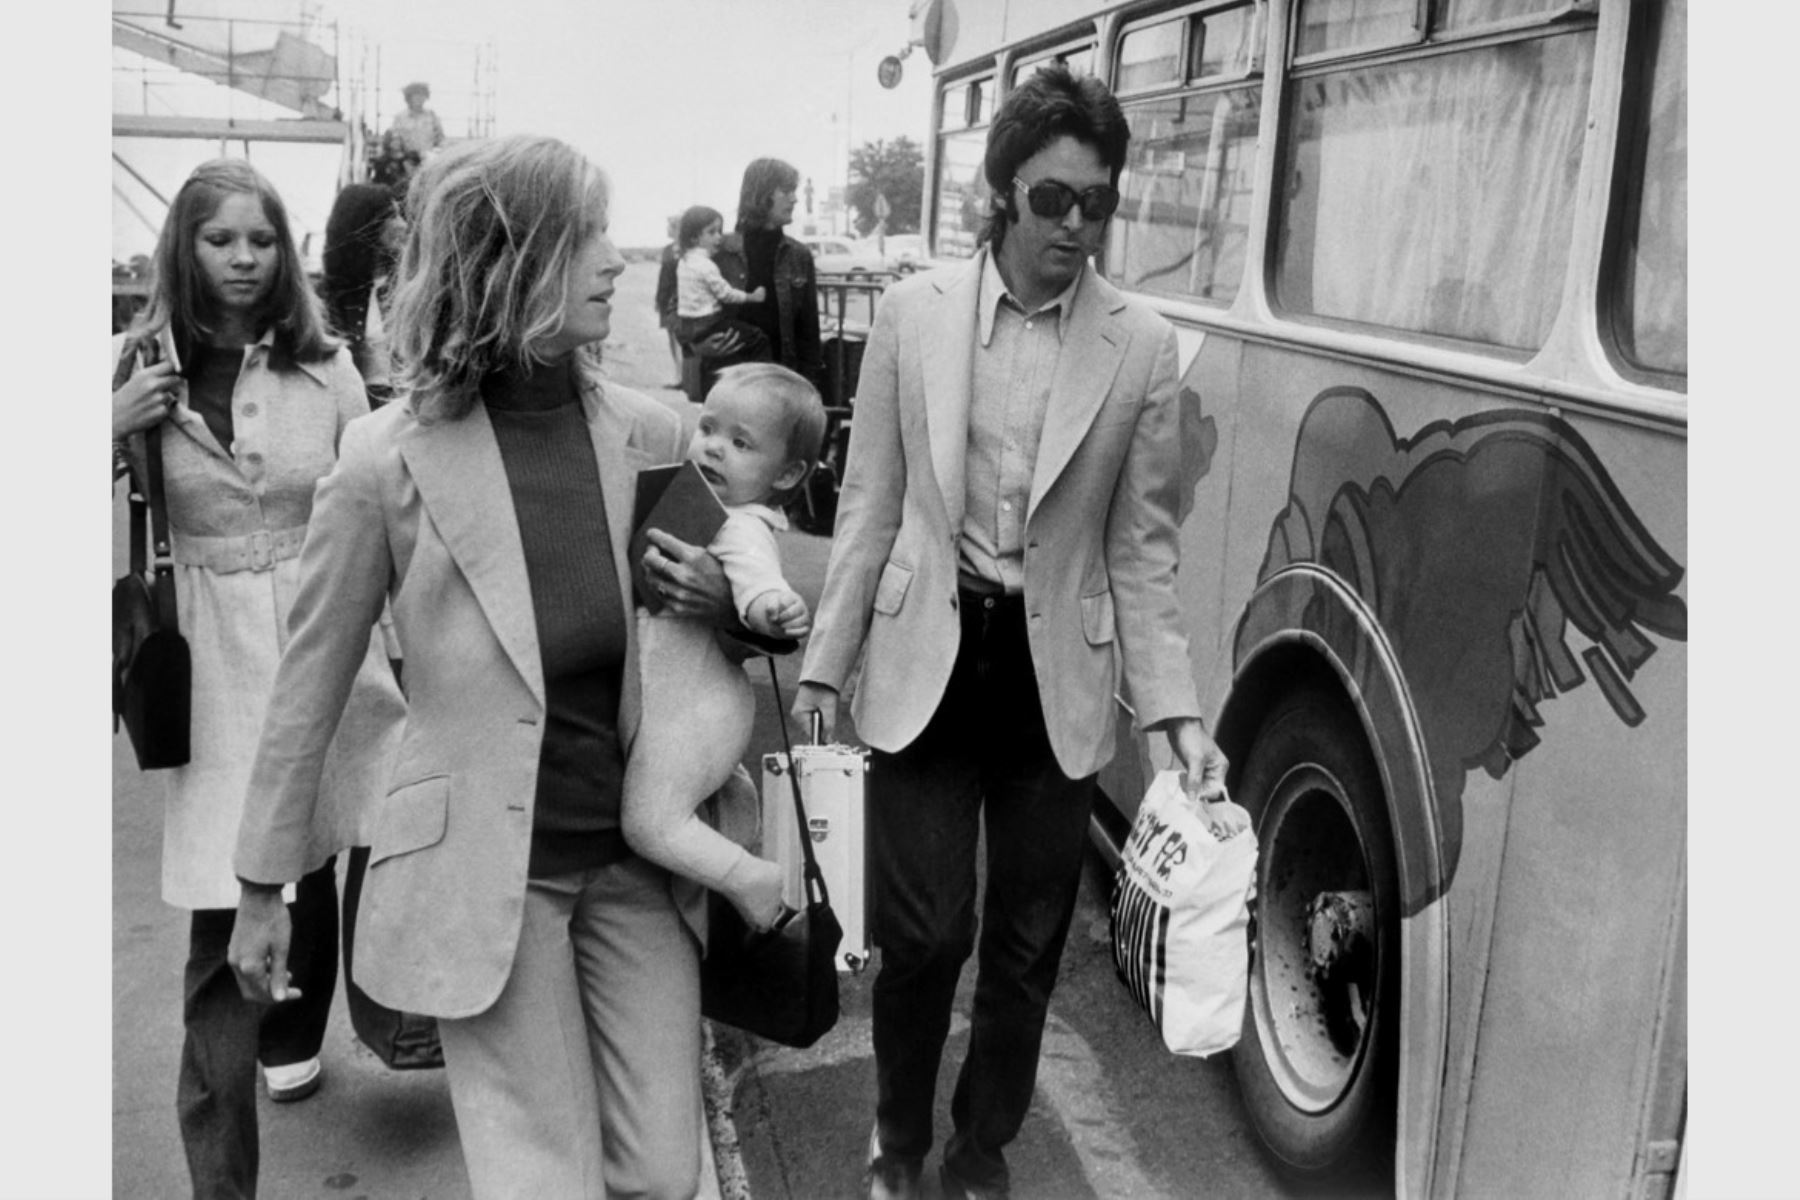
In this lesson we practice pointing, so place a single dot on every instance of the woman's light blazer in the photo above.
(420, 514)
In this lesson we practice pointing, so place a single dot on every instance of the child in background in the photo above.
(760, 433)
(701, 290)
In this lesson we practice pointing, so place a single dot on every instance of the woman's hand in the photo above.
(259, 944)
(1203, 776)
(812, 698)
(690, 581)
(145, 398)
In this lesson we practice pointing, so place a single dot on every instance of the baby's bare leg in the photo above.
(697, 711)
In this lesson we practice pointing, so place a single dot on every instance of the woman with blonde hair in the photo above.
(230, 380)
(490, 504)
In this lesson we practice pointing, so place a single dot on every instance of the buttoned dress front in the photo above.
(237, 518)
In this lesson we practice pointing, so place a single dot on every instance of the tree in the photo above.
(893, 169)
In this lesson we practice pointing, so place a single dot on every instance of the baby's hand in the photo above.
(757, 296)
(780, 614)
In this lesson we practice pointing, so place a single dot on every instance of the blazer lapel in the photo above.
(462, 484)
(1085, 368)
(946, 351)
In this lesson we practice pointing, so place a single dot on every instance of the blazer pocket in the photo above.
(890, 593)
(1097, 618)
(412, 817)
(1116, 412)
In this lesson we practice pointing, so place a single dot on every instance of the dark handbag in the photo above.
(404, 1041)
(780, 984)
(152, 669)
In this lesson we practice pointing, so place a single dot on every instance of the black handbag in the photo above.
(404, 1041)
(152, 669)
(781, 983)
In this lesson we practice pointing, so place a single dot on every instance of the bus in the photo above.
(1427, 260)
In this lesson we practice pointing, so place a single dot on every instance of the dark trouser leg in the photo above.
(215, 1097)
(1036, 819)
(923, 822)
(293, 1030)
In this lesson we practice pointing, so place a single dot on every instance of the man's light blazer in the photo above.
(1100, 534)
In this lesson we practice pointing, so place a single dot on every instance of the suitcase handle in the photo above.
(815, 722)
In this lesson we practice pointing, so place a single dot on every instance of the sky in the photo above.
(670, 97)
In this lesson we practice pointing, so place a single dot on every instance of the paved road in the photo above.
(1115, 1115)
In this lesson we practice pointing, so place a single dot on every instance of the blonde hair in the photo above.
(492, 229)
(801, 407)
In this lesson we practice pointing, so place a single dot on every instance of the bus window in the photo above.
(1341, 26)
(1149, 57)
(1461, 15)
(1436, 195)
(982, 109)
(1652, 310)
(1226, 43)
(961, 200)
(1184, 217)
(956, 107)
(1079, 60)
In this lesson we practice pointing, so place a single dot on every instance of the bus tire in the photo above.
(1317, 1061)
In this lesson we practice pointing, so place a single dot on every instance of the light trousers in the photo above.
(582, 1082)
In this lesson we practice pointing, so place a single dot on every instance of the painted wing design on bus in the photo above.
(1483, 547)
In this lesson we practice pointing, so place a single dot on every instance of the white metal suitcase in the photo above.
(831, 783)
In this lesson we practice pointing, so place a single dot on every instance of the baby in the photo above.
(701, 290)
(760, 433)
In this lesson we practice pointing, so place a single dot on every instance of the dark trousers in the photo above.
(984, 756)
(215, 1095)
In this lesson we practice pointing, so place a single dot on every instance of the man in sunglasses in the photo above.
(1006, 544)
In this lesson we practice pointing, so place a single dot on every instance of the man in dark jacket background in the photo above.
(758, 254)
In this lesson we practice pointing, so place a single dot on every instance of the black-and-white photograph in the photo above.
(908, 599)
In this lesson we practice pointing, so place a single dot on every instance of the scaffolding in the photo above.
(247, 77)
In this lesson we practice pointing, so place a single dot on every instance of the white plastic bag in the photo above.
(1179, 914)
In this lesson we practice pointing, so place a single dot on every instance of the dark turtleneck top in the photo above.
(549, 457)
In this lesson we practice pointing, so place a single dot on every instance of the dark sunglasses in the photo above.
(1048, 198)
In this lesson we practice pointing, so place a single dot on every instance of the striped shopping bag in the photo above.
(1179, 913)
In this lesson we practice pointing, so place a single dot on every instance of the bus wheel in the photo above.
(1317, 1060)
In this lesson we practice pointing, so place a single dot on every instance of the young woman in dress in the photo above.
(231, 364)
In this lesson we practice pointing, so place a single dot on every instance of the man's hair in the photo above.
(492, 229)
(801, 407)
(415, 89)
(694, 222)
(182, 301)
(762, 179)
(1054, 103)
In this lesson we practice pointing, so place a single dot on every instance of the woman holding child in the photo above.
(490, 504)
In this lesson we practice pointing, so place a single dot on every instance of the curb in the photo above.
(716, 1088)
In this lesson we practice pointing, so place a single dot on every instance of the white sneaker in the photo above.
(296, 1081)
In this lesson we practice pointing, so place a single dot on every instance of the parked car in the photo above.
(903, 252)
(843, 256)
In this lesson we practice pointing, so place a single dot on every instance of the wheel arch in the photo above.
(1303, 627)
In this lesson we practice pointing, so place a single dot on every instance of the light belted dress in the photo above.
(237, 518)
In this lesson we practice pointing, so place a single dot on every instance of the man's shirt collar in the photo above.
(993, 291)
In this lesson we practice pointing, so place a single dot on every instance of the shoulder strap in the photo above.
(813, 877)
(139, 512)
(159, 525)
(149, 507)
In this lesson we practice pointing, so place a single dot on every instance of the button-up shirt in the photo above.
(1015, 362)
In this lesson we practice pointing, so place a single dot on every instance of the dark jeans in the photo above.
(984, 756)
(215, 1096)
